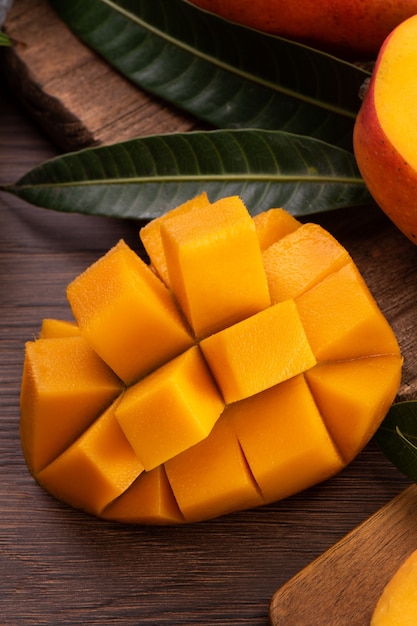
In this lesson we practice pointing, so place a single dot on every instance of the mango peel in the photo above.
(245, 362)
(385, 132)
(397, 605)
(354, 29)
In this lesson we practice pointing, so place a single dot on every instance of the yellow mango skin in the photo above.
(203, 249)
(170, 410)
(150, 235)
(65, 387)
(293, 417)
(243, 367)
(397, 605)
(98, 467)
(361, 390)
(120, 286)
(212, 478)
(296, 449)
(296, 263)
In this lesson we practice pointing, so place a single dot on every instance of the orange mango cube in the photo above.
(149, 500)
(203, 250)
(98, 467)
(350, 325)
(212, 478)
(244, 366)
(58, 328)
(170, 410)
(273, 225)
(296, 263)
(358, 389)
(120, 286)
(150, 235)
(65, 387)
(291, 435)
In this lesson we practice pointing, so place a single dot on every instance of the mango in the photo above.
(65, 387)
(171, 409)
(96, 468)
(243, 367)
(203, 251)
(397, 605)
(245, 362)
(120, 286)
(385, 132)
(349, 28)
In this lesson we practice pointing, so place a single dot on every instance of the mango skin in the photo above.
(390, 178)
(397, 605)
(349, 28)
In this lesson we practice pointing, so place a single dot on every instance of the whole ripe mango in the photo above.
(353, 29)
(247, 361)
(397, 605)
(385, 132)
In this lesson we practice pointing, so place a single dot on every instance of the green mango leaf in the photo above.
(397, 437)
(225, 74)
(4, 40)
(145, 177)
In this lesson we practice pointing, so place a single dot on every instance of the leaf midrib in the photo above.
(193, 178)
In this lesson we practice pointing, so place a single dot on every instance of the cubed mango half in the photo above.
(247, 362)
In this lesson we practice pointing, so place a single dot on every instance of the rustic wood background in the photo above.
(59, 566)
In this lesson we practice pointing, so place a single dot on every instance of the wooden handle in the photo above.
(342, 586)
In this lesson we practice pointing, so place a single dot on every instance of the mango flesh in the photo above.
(385, 132)
(65, 387)
(121, 286)
(203, 251)
(397, 605)
(351, 28)
(171, 409)
(270, 403)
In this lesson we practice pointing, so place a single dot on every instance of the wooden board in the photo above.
(76, 97)
(342, 586)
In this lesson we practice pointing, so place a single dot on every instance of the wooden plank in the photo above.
(343, 585)
(75, 96)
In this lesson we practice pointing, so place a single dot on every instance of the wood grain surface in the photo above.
(60, 566)
(77, 98)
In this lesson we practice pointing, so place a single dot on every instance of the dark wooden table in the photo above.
(60, 566)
